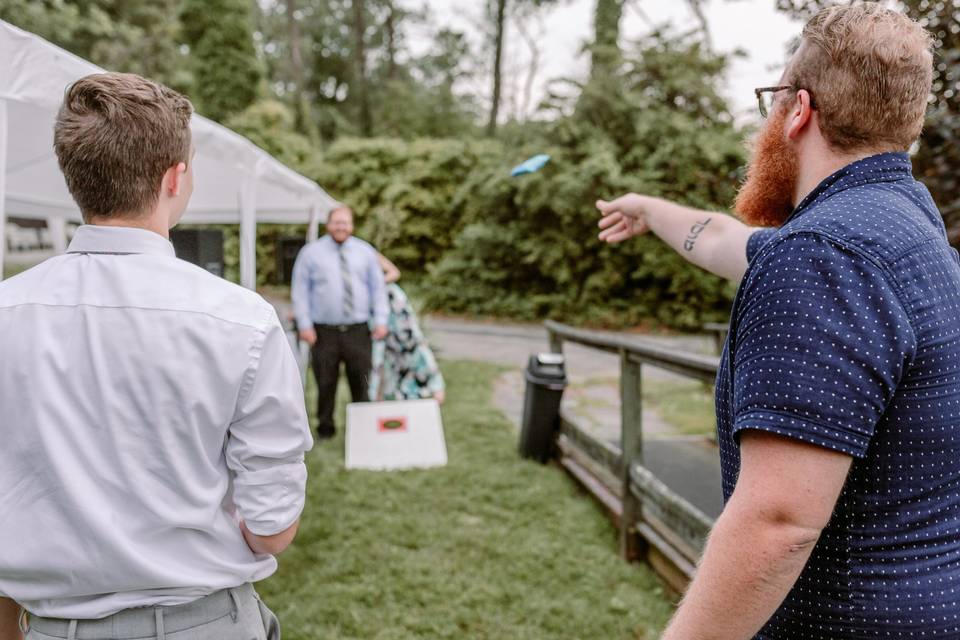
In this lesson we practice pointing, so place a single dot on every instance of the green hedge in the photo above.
(479, 242)
(475, 241)
(404, 193)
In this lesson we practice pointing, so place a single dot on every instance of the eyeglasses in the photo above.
(767, 95)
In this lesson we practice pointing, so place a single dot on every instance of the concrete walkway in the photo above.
(689, 465)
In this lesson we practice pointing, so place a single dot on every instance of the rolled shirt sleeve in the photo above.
(268, 437)
(821, 344)
(300, 290)
(757, 239)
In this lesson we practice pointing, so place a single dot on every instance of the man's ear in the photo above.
(172, 179)
(801, 114)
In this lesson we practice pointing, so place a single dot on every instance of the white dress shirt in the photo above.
(146, 406)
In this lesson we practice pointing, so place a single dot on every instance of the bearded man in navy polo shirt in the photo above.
(838, 396)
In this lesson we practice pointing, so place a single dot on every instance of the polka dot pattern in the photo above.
(846, 334)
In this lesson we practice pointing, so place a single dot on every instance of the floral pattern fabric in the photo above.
(403, 364)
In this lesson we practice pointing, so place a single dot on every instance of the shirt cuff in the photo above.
(805, 430)
(270, 500)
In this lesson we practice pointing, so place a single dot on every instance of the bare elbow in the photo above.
(803, 541)
(797, 533)
(791, 528)
(272, 545)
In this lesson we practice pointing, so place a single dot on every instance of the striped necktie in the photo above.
(347, 284)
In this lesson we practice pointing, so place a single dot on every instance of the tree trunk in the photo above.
(360, 64)
(606, 50)
(497, 64)
(391, 32)
(532, 69)
(305, 123)
(696, 6)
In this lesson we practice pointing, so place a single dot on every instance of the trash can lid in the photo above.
(550, 358)
(546, 368)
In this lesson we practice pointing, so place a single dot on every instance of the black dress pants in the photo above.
(347, 343)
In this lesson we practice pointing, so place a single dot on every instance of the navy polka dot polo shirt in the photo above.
(845, 333)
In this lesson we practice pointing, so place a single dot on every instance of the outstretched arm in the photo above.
(713, 241)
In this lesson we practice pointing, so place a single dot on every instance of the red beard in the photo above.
(766, 198)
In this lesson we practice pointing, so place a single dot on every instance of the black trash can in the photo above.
(546, 379)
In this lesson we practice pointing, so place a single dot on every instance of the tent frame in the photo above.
(292, 198)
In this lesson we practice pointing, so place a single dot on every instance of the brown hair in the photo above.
(116, 135)
(869, 71)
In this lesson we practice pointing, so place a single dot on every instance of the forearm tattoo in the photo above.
(695, 232)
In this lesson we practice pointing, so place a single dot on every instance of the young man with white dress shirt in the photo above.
(153, 421)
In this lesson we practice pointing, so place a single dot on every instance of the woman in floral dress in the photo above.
(403, 364)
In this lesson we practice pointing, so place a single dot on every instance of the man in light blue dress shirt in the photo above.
(338, 294)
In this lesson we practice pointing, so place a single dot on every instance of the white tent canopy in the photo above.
(235, 181)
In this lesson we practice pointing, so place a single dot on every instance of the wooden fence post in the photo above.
(556, 342)
(631, 447)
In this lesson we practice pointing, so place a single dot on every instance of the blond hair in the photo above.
(869, 70)
(115, 137)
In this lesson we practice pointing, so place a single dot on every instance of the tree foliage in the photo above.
(428, 189)
(226, 70)
(404, 94)
(482, 243)
(137, 36)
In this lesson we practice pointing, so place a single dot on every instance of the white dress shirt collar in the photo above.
(91, 238)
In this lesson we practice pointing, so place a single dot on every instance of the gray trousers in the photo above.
(231, 614)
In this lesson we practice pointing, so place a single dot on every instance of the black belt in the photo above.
(342, 328)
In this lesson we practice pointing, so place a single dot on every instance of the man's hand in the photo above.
(379, 332)
(9, 620)
(623, 218)
(309, 336)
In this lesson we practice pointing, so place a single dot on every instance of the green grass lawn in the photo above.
(488, 547)
(688, 407)
(10, 270)
(685, 405)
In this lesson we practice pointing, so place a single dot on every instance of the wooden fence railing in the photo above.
(655, 523)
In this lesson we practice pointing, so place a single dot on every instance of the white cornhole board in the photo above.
(385, 436)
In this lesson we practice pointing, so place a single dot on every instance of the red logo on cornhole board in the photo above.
(392, 425)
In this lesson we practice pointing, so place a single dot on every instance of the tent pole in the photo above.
(248, 233)
(3, 184)
(313, 229)
(57, 228)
